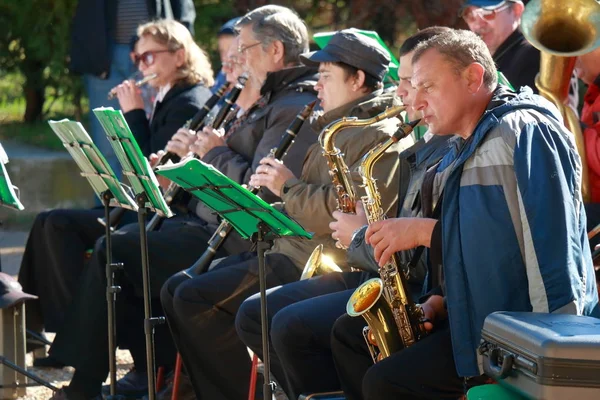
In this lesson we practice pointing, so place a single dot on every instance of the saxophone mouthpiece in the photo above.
(414, 123)
(405, 129)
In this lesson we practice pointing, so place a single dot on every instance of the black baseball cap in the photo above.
(11, 291)
(352, 48)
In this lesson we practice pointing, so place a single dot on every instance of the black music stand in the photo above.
(111, 192)
(251, 216)
(148, 197)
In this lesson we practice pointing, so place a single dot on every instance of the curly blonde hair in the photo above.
(196, 67)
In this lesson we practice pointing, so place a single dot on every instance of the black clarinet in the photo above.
(174, 191)
(217, 239)
(115, 216)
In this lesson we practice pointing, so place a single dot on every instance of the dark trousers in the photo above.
(301, 316)
(201, 315)
(82, 341)
(423, 371)
(53, 261)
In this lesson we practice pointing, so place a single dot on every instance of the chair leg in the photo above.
(176, 378)
(253, 376)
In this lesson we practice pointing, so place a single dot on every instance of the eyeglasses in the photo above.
(471, 14)
(242, 49)
(231, 62)
(148, 57)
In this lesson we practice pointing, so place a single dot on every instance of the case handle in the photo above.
(500, 371)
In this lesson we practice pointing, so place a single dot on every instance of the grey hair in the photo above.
(462, 48)
(271, 23)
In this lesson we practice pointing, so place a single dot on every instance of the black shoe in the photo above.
(61, 394)
(47, 362)
(185, 392)
(133, 384)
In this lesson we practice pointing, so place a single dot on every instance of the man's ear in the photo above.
(278, 51)
(473, 75)
(517, 9)
(358, 80)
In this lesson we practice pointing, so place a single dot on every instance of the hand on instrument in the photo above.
(207, 140)
(346, 224)
(181, 142)
(153, 159)
(397, 234)
(272, 174)
(433, 310)
(129, 96)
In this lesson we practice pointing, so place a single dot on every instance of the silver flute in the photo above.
(113, 92)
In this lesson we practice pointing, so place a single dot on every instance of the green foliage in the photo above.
(34, 40)
(210, 16)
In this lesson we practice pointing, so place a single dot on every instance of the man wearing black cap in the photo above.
(201, 311)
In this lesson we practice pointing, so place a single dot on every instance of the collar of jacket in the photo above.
(177, 89)
(421, 152)
(516, 38)
(299, 76)
(364, 107)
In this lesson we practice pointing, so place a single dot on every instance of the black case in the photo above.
(543, 356)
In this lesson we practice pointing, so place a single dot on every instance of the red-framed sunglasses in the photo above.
(148, 57)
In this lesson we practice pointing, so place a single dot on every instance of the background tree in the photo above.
(34, 35)
(34, 40)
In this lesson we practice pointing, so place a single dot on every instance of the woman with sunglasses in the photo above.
(54, 257)
(183, 78)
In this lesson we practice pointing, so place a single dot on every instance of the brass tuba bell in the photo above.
(562, 30)
(319, 263)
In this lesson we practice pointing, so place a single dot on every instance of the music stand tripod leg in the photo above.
(149, 321)
(111, 299)
(262, 245)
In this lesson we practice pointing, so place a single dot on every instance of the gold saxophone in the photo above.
(384, 301)
(341, 178)
(338, 170)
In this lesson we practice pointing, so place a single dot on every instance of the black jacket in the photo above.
(518, 60)
(179, 105)
(94, 25)
(288, 91)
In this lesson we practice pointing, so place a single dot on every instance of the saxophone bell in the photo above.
(381, 334)
(319, 263)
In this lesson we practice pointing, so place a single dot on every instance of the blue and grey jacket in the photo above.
(513, 222)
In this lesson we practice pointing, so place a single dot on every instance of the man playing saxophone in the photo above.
(203, 308)
(490, 249)
(303, 313)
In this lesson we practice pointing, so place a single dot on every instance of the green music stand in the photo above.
(111, 192)
(148, 197)
(9, 194)
(249, 215)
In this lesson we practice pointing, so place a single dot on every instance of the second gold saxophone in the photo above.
(394, 320)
